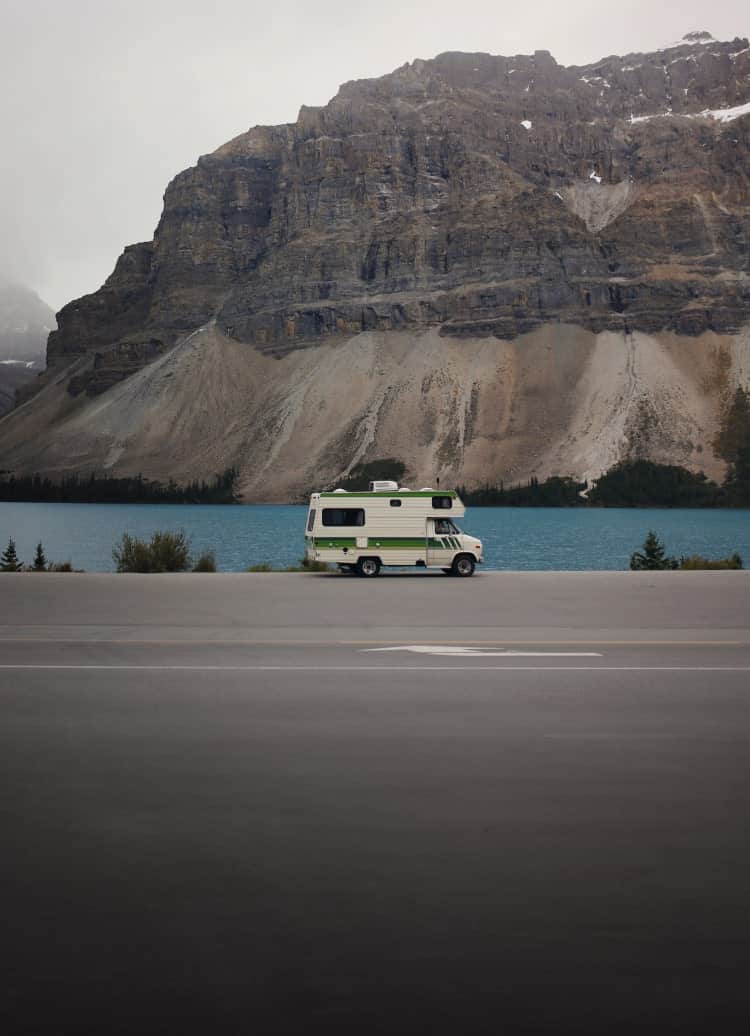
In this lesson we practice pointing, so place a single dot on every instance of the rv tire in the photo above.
(463, 565)
(368, 567)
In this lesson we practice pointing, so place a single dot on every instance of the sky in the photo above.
(103, 102)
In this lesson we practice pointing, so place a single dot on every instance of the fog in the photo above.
(102, 103)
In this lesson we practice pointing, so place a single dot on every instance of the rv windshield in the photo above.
(445, 527)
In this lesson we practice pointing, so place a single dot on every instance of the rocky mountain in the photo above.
(25, 323)
(487, 267)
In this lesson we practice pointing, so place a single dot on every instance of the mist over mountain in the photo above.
(487, 267)
(25, 323)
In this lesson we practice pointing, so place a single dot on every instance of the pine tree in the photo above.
(9, 559)
(735, 429)
(40, 561)
(653, 557)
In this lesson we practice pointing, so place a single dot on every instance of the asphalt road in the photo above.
(294, 804)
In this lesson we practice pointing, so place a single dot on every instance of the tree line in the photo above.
(109, 490)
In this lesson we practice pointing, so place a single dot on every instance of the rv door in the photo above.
(440, 550)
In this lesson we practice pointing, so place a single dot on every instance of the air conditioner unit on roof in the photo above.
(383, 487)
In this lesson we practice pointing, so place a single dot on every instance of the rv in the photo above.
(360, 532)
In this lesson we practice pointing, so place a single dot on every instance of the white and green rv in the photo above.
(388, 525)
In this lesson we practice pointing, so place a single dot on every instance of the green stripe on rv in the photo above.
(396, 543)
(387, 543)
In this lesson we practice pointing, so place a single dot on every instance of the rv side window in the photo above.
(395, 503)
(311, 520)
(442, 503)
(343, 516)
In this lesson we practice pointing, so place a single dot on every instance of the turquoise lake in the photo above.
(514, 538)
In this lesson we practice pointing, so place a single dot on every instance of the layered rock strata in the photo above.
(467, 198)
(480, 194)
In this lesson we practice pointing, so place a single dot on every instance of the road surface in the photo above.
(296, 804)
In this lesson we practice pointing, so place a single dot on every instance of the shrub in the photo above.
(696, 563)
(206, 562)
(306, 565)
(170, 552)
(60, 566)
(314, 566)
(132, 555)
(303, 566)
(166, 552)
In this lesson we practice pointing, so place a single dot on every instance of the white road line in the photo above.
(386, 668)
(456, 651)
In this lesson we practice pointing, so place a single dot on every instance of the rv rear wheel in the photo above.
(463, 565)
(368, 567)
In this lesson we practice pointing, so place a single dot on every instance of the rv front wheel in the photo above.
(464, 565)
(368, 567)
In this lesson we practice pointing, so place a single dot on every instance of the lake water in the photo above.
(514, 538)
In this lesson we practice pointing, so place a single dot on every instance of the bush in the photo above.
(206, 562)
(697, 563)
(314, 566)
(303, 566)
(166, 552)
(60, 566)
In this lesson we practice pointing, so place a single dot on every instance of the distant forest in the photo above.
(106, 490)
(636, 484)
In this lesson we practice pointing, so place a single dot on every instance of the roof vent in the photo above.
(339, 490)
(384, 487)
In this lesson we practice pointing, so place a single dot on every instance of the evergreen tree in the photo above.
(40, 561)
(733, 444)
(9, 559)
(738, 477)
(735, 429)
(653, 557)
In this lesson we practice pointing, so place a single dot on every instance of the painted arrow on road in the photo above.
(455, 651)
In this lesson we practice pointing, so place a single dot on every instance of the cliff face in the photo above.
(469, 197)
